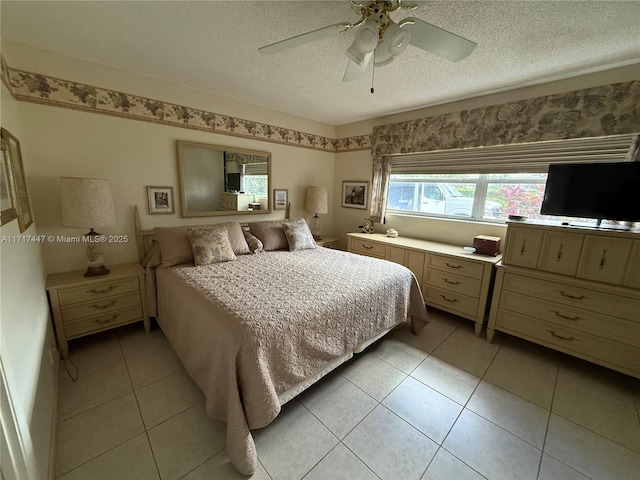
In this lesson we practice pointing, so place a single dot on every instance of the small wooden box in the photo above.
(486, 245)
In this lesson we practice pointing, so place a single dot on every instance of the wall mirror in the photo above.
(217, 180)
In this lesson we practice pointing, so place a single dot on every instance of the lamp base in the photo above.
(96, 271)
(317, 237)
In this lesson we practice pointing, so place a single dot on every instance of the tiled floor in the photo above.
(442, 405)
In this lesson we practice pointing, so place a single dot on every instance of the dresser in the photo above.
(236, 201)
(86, 305)
(576, 290)
(451, 279)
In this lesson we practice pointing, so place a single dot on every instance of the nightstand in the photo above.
(86, 305)
(329, 242)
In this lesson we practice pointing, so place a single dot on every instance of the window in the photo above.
(469, 196)
(488, 183)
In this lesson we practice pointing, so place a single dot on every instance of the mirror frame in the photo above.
(218, 148)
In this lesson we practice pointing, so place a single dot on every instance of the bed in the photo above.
(255, 332)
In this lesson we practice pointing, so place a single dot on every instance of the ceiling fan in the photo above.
(379, 37)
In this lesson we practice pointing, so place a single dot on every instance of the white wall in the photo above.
(26, 335)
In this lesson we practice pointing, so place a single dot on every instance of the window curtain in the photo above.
(380, 187)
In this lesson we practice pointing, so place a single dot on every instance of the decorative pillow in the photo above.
(255, 245)
(176, 247)
(298, 235)
(210, 245)
(270, 234)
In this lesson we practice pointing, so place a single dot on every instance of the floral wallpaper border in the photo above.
(43, 89)
(593, 112)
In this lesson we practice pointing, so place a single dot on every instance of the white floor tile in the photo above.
(376, 377)
(340, 463)
(447, 379)
(150, 367)
(465, 334)
(135, 341)
(390, 447)
(491, 450)
(219, 467)
(91, 354)
(185, 441)
(93, 390)
(447, 467)
(513, 413)
(401, 355)
(460, 354)
(427, 410)
(338, 404)
(293, 443)
(530, 386)
(132, 460)
(599, 416)
(92, 433)
(530, 357)
(167, 397)
(552, 469)
(589, 453)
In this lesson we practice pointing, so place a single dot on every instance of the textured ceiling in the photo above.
(212, 46)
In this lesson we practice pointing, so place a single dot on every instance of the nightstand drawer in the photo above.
(456, 283)
(450, 300)
(455, 265)
(99, 306)
(98, 291)
(100, 322)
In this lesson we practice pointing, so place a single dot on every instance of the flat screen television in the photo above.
(603, 191)
(233, 182)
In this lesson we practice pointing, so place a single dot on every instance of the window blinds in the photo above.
(255, 169)
(524, 157)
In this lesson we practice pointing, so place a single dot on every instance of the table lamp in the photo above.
(316, 203)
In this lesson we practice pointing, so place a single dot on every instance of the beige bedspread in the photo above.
(250, 329)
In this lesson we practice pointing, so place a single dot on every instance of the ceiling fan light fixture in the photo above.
(397, 39)
(365, 42)
(382, 55)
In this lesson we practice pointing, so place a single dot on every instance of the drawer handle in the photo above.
(452, 300)
(102, 307)
(109, 320)
(368, 247)
(108, 289)
(568, 339)
(450, 282)
(574, 297)
(453, 266)
(573, 319)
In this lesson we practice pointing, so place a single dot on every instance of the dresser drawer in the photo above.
(454, 265)
(99, 306)
(97, 291)
(451, 281)
(103, 321)
(364, 247)
(570, 339)
(598, 301)
(450, 300)
(571, 317)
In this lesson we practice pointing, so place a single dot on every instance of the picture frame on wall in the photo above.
(160, 200)
(21, 193)
(355, 194)
(280, 198)
(7, 192)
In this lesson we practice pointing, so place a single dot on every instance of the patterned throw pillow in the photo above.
(255, 245)
(210, 245)
(298, 235)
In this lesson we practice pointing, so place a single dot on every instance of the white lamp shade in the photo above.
(365, 42)
(86, 202)
(316, 200)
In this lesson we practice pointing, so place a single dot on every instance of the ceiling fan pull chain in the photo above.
(373, 71)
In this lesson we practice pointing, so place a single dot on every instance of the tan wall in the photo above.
(26, 335)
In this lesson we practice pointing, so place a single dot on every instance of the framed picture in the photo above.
(280, 198)
(7, 192)
(21, 198)
(355, 194)
(160, 200)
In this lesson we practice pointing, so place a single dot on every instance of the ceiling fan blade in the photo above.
(355, 71)
(304, 38)
(436, 40)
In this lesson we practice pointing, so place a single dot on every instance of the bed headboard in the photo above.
(146, 239)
